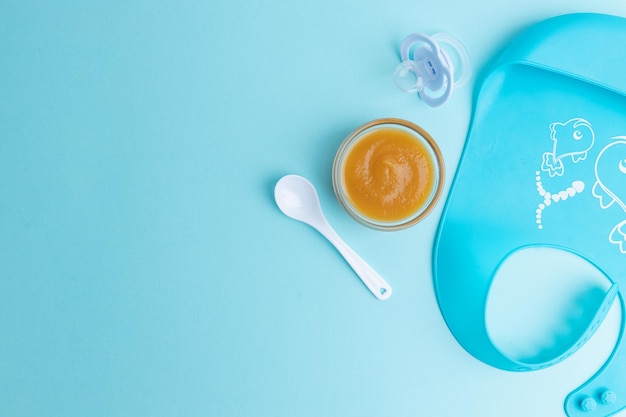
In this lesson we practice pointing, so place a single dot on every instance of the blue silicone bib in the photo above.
(544, 165)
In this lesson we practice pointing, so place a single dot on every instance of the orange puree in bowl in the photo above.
(388, 174)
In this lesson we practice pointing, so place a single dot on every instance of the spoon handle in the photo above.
(374, 282)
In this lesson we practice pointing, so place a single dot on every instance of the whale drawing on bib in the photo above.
(610, 170)
(610, 186)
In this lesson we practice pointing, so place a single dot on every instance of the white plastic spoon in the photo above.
(296, 197)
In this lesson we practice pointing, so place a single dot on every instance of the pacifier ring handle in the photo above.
(463, 67)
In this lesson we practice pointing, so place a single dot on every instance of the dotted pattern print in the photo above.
(550, 198)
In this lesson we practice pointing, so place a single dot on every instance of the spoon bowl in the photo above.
(297, 198)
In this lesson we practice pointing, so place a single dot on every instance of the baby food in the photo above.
(388, 173)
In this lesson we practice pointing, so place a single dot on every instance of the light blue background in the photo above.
(145, 269)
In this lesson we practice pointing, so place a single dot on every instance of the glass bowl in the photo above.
(388, 174)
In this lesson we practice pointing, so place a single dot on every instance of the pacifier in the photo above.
(432, 66)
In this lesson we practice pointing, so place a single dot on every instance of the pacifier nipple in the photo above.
(432, 67)
(407, 77)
